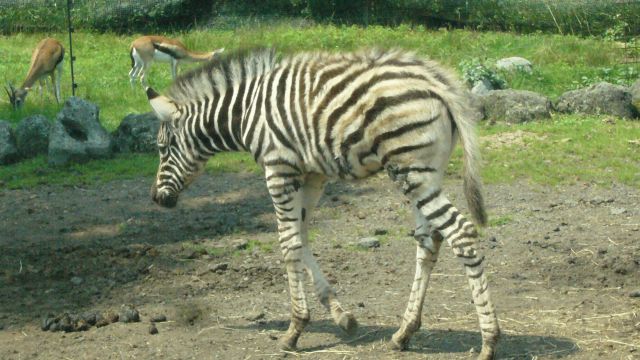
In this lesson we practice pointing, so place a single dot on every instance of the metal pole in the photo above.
(73, 58)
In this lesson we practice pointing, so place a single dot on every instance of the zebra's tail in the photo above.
(460, 115)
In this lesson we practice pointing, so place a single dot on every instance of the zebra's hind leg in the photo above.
(426, 257)
(461, 236)
(312, 190)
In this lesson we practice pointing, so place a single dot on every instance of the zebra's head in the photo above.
(178, 165)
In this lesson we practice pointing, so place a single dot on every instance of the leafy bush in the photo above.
(474, 70)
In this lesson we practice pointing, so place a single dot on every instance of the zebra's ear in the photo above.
(164, 108)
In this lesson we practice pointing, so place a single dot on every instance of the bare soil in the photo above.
(563, 263)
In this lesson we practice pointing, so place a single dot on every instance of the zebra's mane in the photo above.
(221, 73)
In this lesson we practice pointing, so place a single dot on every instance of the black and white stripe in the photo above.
(315, 116)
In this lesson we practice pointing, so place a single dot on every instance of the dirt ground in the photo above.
(563, 264)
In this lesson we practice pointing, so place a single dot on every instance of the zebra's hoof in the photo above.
(487, 354)
(399, 343)
(288, 344)
(348, 323)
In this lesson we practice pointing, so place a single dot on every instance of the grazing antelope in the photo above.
(144, 50)
(46, 60)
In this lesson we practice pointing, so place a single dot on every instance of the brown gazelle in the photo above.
(146, 49)
(46, 60)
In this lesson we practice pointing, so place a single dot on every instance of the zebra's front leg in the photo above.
(284, 188)
(428, 246)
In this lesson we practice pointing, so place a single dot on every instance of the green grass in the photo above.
(568, 149)
(595, 152)
(103, 62)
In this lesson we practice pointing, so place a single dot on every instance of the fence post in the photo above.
(73, 58)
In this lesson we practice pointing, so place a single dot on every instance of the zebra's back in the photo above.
(349, 115)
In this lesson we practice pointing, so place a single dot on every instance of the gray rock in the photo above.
(617, 211)
(601, 98)
(77, 135)
(515, 63)
(482, 87)
(159, 318)
(137, 133)
(129, 314)
(515, 106)
(635, 95)
(476, 107)
(240, 244)
(368, 243)
(254, 316)
(8, 149)
(32, 136)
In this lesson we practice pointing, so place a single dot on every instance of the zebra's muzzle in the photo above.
(164, 198)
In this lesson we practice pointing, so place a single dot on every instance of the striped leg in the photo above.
(312, 190)
(461, 236)
(284, 187)
(428, 246)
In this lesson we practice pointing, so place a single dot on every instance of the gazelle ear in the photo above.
(164, 108)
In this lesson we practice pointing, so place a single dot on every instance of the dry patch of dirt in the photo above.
(562, 264)
(507, 139)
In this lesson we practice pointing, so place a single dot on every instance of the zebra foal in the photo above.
(313, 117)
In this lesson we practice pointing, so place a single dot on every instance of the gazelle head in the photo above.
(179, 166)
(215, 53)
(16, 96)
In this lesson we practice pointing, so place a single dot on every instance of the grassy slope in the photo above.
(103, 64)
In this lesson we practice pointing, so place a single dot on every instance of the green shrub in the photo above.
(473, 70)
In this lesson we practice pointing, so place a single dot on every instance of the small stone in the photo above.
(153, 330)
(219, 267)
(361, 304)
(76, 280)
(82, 325)
(618, 211)
(635, 294)
(91, 317)
(368, 243)
(111, 317)
(47, 322)
(254, 316)
(240, 244)
(129, 314)
(158, 318)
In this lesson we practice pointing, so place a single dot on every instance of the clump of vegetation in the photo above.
(620, 75)
(473, 70)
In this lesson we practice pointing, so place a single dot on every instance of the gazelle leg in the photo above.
(312, 190)
(174, 68)
(133, 74)
(428, 246)
(143, 75)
